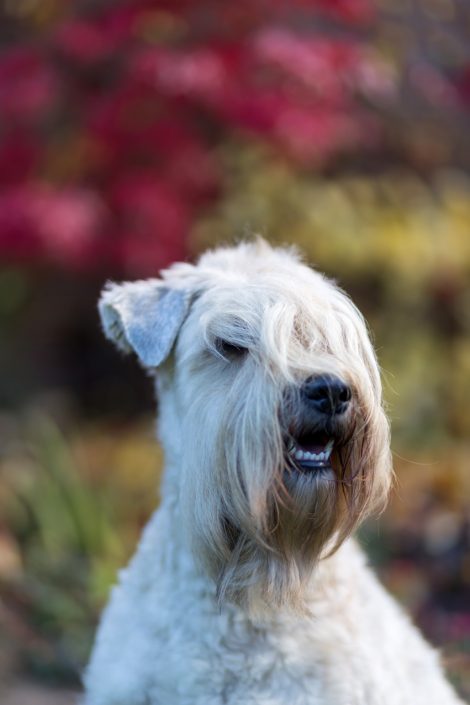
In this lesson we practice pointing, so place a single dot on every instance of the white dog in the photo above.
(246, 588)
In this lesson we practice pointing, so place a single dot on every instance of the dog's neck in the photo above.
(169, 435)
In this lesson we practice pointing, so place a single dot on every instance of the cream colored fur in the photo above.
(246, 588)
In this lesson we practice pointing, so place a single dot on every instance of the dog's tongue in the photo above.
(315, 443)
(313, 448)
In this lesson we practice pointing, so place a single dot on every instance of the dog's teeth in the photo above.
(306, 455)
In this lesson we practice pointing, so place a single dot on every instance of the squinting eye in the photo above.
(229, 349)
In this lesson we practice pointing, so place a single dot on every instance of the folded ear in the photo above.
(144, 317)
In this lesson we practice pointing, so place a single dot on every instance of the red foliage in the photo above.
(132, 101)
(29, 85)
(62, 225)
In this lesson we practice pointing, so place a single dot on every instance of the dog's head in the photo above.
(271, 412)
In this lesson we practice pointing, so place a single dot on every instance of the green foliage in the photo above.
(13, 291)
(71, 538)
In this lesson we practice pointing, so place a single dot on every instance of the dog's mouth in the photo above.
(311, 451)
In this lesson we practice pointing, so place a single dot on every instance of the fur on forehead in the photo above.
(269, 301)
(263, 269)
(248, 262)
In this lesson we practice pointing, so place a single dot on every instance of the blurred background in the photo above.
(133, 134)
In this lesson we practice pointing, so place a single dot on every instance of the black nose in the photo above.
(326, 394)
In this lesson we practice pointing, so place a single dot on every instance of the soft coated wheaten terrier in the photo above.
(246, 588)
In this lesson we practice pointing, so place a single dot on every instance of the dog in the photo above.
(247, 587)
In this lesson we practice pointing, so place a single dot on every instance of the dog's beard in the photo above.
(306, 516)
(258, 524)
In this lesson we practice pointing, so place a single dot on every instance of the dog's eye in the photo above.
(227, 349)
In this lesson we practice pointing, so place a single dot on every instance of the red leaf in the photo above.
(29, 85)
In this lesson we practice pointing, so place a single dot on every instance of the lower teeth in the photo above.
(312, 457)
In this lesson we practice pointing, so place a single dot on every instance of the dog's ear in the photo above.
(144, 317)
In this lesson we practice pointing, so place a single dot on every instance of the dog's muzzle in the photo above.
(325, 400)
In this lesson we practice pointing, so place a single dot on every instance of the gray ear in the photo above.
(144, 317)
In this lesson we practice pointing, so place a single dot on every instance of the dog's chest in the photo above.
(197, 654)
(217, 659)
(163, 641)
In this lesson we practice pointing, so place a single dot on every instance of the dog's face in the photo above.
(271, 410)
